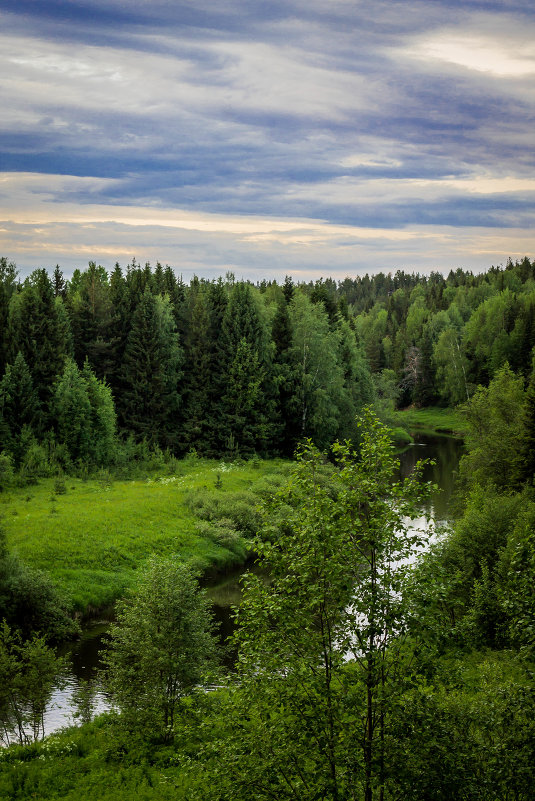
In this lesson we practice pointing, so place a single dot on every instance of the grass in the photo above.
(92, 539)
(432, 419)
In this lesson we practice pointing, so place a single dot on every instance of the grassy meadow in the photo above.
(432, 419)
(91, 535)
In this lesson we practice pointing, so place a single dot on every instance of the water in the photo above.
(86, 653)
(446, 453)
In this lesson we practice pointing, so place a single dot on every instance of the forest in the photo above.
(374, 662)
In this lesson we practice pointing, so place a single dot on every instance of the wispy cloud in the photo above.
(289, 134)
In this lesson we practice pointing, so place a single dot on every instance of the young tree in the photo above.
(495, 416)
(72, 412)
(103, 417)
(317, 375)
(28, 672)
(161, 647)
(321, 644)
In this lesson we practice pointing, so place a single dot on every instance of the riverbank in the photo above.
(91, 537)
(431, 420)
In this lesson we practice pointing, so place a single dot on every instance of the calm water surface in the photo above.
(85, 654)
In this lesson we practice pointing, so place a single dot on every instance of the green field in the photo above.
(432, 419)
(92, 538)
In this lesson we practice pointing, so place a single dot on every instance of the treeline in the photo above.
(222, 367)
(227, 367)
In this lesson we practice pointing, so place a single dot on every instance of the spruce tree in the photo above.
(358, 390)
(40, 334)
(246, 358)
(19, 405)
(527, 460)
(198, 376)
(72, 413)
(8, 276)
(217, 301)
(150, 400)
(59, 283)
(103, 417)
(92, 314)
(120, 326)
(281, 333)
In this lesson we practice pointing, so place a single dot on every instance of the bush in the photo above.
(268, 485)
(239, 507)
(222, 533)
(6, 470)
(29, 601)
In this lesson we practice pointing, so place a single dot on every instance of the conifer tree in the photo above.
(8, 275)
(60, 285)
(246, 362)
(527, 460)
(103, 417)
(281, 333)
(358, 390)
(72, 413)
(120, 326)
(39, 334)
(152, 362)
(93, 311)
(198, 376)
(217, 301)
(19, 405)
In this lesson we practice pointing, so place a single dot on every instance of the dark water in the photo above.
(225, 594)
(445, 452)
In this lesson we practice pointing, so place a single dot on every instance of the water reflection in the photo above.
(446, 453)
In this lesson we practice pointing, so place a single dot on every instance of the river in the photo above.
(85, 653)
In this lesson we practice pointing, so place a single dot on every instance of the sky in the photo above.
(315, 139)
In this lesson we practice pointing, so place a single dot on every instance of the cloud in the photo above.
(362, 123)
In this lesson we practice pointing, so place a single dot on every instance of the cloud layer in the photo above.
(305, 138)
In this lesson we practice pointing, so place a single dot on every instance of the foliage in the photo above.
(496, 430)
(29, 669)
(317, 640)
(100, 532)
(160, 647)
